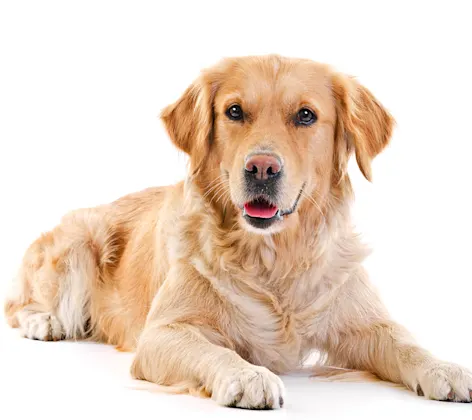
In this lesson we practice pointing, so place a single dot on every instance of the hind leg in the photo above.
(51, 296)
(39, 325)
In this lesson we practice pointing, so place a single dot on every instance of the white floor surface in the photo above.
(76, 380)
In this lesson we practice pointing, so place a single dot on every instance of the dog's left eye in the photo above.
(305, 117)
(235, 113)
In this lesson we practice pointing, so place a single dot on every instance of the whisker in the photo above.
(315, 203)
(215, 189)
(219, 192)
(214, 184)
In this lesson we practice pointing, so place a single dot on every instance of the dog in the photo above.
(238, 273)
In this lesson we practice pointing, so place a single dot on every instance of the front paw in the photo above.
(444, 382)
(254, 387)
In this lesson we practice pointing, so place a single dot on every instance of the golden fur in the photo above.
(211, 304)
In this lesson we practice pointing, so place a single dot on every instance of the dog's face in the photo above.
(274, 128)
(268, 134)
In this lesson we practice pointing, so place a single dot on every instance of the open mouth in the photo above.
(260, 208)
(261, 213)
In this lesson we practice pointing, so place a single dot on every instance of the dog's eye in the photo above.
(235, 113)
(305, 117)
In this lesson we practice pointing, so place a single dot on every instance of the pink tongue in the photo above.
(260, 209)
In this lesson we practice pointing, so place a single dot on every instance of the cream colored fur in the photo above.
(211, 305)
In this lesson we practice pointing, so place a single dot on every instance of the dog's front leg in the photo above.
(356, 333)
(183, 344)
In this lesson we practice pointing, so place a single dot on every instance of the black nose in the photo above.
(262, 167)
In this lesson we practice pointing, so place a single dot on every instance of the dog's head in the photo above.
(267, 134)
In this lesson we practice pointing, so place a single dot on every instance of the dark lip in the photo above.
(262, 197)
(262, 223)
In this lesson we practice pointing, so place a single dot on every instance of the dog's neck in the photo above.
(311, 234)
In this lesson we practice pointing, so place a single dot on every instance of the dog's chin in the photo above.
(262, 226)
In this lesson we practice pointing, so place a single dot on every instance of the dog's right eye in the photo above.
(235, 113)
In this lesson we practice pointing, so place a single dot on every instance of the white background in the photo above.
(81, 85)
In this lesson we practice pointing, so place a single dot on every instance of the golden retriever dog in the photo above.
(237, 274)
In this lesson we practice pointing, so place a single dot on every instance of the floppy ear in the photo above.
(362, 123)
(189, 121)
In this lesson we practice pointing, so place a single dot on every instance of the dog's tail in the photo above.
(334, 374)
(180, 388)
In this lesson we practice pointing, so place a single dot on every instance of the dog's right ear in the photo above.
(189, 121)
(363, 124)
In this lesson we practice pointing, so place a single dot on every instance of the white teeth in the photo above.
(279, 214)
(244, 211)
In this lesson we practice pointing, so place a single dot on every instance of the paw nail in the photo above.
(419, 391)
(451, 396)
(281, 401)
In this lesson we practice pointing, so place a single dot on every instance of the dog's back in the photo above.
(91, 275)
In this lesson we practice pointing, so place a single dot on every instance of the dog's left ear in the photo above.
(189, 121)
(362, 123)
